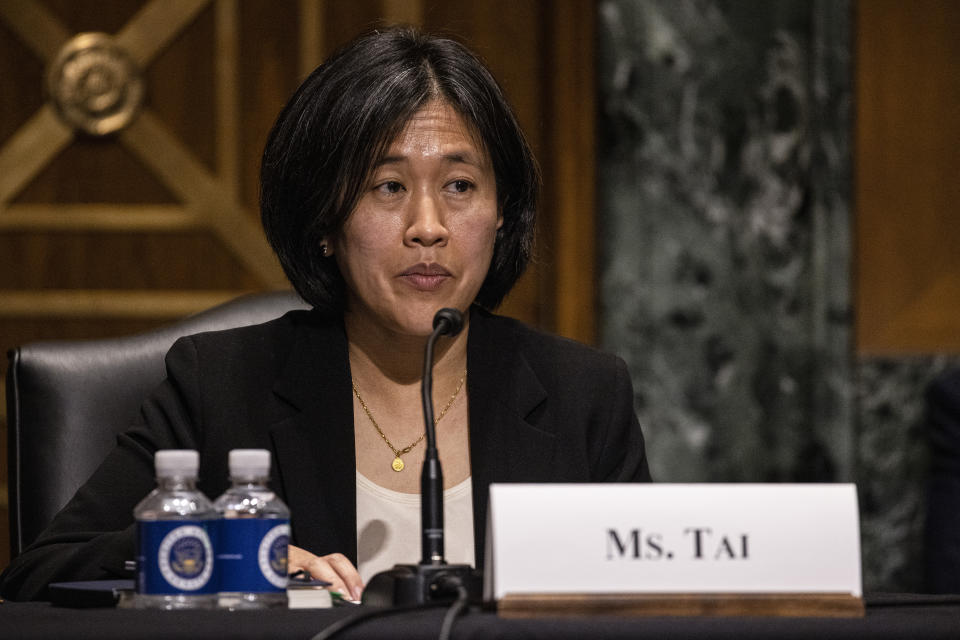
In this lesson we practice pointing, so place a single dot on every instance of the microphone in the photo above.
(433, 580)
(446, 322)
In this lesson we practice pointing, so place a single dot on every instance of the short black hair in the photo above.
(341, 120)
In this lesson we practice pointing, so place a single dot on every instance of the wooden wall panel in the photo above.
(20, 93)
(907, 181)
(77, 175)
(181, 82)
(106, 236)
(569, 163)
(93, 15)
(269, 74)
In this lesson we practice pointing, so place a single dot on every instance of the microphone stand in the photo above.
(433, 580)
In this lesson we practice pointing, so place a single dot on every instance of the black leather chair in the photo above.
(67, 401)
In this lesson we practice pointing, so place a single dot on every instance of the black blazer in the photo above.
(941, 548)
(542, 409)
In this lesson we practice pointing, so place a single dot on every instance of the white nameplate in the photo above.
(672, 538)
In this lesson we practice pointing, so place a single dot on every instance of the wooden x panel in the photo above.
(208, 201)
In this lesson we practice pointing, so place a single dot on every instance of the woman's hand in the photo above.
(334, 568)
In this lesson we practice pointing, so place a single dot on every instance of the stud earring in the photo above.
(323, 251)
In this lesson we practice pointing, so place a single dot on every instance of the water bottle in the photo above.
(175, 538)
(253, 536)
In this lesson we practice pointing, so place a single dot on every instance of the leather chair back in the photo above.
(68, 400)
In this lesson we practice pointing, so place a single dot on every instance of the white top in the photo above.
(388, 526)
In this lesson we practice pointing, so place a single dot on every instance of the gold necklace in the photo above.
(397, 464)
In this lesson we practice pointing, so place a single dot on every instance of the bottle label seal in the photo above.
(252, 555)
(175, 557)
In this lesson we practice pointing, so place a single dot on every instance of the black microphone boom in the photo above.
(445, 322)
(433, 580)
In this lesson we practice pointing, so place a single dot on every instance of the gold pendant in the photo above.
(397, 464)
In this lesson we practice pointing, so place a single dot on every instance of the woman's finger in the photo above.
(347, 572)
(334, 568)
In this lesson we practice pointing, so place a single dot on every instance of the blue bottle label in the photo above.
(252, 554)
(175, 557)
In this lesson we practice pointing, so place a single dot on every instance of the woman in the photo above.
(395, 182)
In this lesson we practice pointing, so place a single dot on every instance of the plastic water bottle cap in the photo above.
(176, 462)
(249, 462)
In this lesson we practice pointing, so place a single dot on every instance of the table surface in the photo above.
(887, 616)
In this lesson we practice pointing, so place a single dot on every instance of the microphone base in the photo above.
(411, 584)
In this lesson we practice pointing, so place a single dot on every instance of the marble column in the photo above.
(724, 188)
(724, 216)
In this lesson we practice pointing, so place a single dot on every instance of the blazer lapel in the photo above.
(503, 392)
(315, 444)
